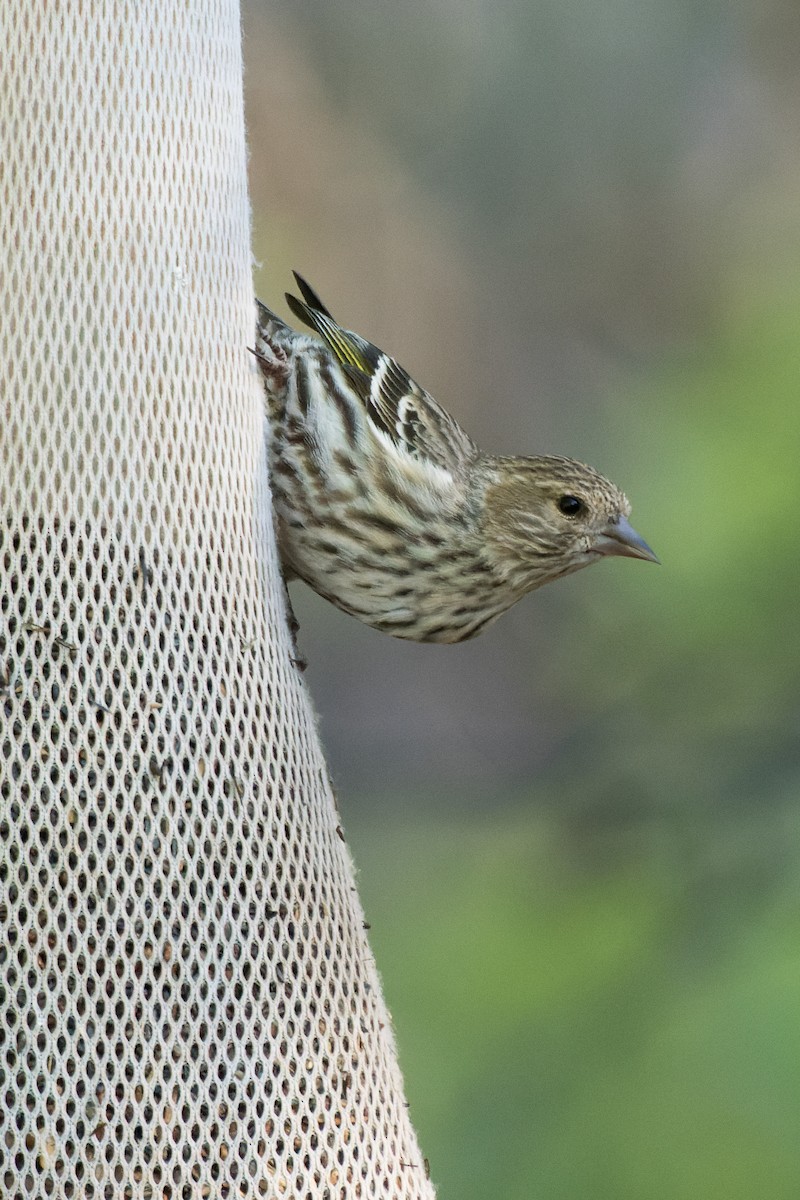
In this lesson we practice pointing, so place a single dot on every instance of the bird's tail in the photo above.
(313, 305)
(312, 312)
(350, 349)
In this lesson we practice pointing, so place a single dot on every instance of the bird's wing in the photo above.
(395, 404)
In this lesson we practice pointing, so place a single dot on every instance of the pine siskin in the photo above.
(388, 509)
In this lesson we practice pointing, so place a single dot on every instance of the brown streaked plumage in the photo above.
(387, 508)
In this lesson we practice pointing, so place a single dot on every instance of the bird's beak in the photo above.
(619, 537)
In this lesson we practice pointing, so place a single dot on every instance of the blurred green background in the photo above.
(578, 837)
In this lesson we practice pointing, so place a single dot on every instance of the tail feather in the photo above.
(350, 349)
(302, 311)
(310, 296)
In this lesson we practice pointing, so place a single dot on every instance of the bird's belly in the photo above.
(411, 572)
(400, 588)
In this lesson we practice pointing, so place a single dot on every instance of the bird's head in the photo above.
(546, 517)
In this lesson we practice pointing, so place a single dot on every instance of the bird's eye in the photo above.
(570, 506)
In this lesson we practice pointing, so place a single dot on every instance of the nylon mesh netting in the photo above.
(189, 1005)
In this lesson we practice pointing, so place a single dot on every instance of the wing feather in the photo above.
(395, 404)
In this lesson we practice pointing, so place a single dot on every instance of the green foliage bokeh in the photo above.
(610, 996)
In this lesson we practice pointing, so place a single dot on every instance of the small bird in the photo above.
(387, 508)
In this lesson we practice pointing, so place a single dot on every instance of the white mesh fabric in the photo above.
(188, 1005)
